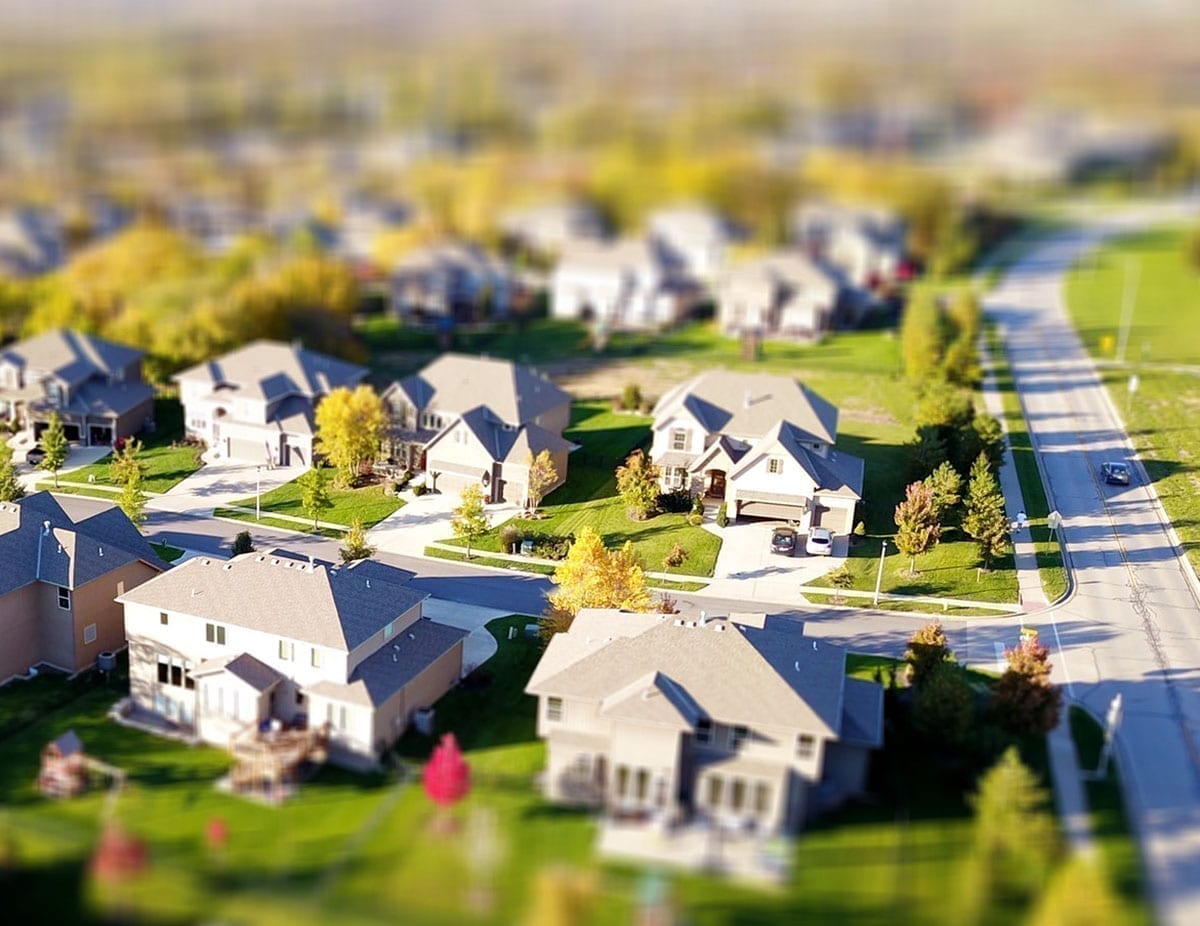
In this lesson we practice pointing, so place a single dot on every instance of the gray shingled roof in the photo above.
(772, 676)
(88, 542)
(409, 653)
(838, 474)
(70, 355)
(271, 369)
(337, 607)
(749, 405)
(255, 673)
(457, 383)
(507, 444)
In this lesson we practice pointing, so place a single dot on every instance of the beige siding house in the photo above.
(739, 723)
(222, 649)
(64, 561)
(257, 403)
(761, 443)
(783, 295)
(477, 421)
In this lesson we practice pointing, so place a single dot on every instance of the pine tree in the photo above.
(637, 482)
(917, 526)
(945, 487)
(985, 520)
(54, 444)
(469, 519)
(10, 483)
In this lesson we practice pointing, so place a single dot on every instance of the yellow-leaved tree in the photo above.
(350, 428)
(593, 576)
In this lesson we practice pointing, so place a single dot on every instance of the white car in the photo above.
(820, 542)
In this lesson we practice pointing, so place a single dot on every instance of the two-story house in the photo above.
(221, 648)
(452, 280)
(696, 237)
(94, 385)
(626, 284)
(64, 561)
(782, 295)
(761, 443)
(863, 245)
(548, 228)
(475, 420)
(739, 722)
(257, 403)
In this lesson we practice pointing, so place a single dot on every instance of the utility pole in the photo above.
(879, 577)
(1132, 271)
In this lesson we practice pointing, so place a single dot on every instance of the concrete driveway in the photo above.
(746, 567)
(78, 457)
(423, 520)
(220, 482)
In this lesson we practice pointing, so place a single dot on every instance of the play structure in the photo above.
(67, 770)
(268, 765)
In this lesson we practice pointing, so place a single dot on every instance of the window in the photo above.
(775, 465)
(162, 618)
(762, 798)
(554, 709)
(64, 598)
(460, 436)
(286, 650)
(164, 669)
(737, 794)
(704, 731)
(89, 634)
(214, 633)
(715, 790)
(176, 674)
(679, 439)
(806, 746)
(737, 736)
(431, 421)
(622, 780)
(389, 630)
(175, 671)
(679, 477)
(55, 392)
(642, 784)
(316, 658)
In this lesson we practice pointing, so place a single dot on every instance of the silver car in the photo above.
(820, 542)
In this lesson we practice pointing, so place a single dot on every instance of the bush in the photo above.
(723, 515)
(695, 519)
(676, 502)
(698, 504)
(419, 489)
(860, 533)
(242, 543)
(675, 558)
(631, 397)
(551, 546)
(404, 480)
(510, 538)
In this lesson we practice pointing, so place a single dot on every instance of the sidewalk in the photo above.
(1069, 798)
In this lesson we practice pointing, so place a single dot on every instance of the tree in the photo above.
(927, 649)
(350, 428)
(841, 579)
(917, 526)
(126, 464)
(54, 443)
(469, 519)
(944, 406)
(945, 488)
(132, 501)
(927, 452)
(542, 475)
(985, 520)
(989, 439)
(944, 705)
(631, 397)
(593, 577)
(637, 483)
(355, 540)
(1079, 895)
(923, 333)
(10, 483)
(242, 543)
(314, 494)
(1025, 700)
(447, 777)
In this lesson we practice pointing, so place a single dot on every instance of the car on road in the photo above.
(1115, 474)
(820, 542)
(783, 540)
(35, 455)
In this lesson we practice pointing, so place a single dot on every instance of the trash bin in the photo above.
(527, 547)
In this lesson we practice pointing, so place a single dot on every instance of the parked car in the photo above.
(1115, 474)
(820, 542)
(783, 540)
(35, 455)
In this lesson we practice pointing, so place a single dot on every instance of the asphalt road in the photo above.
(1133, 624)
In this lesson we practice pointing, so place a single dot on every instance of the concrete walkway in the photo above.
(424, 519)
(1070, 798)
(220, 482)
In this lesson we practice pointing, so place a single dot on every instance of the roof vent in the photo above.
(100, 551)
(259, 558)
(719, 628)
(395, 658)
(274, 562)
(690, 624)
(368, 583)
(195, 592)
(395, 646)
(227, 566)
(205, 561)
(702, 616)
(679, 622)
(814, 646)
(797, 665)
(45, 528)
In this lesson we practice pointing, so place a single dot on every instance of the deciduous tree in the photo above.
(542, 475)
(314, 494)
(350, 428)
(132, 501)
(985, 520)
(469, 519)
(927, 649)
(126, 463)
(637, 482)
(446, 777)
(10, 483)
(1025, 700)
(54, 443)
(355, 540)
(917, 526)
(594, 577)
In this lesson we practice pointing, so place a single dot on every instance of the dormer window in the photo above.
(704, 731)
(55, 393)
(679, 439)
(737, 736)
(431, 421)
(806, 746)
(775, 465)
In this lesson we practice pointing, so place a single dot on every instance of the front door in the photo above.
(716, 483)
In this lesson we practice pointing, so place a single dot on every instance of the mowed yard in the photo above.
(368, 502)
(367, 849)
(589, 498)
(1163, 350)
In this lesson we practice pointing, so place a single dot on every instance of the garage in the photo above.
(99, 435)
(240, 448)
(770, 505)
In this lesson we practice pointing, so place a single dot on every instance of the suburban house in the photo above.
(695, 237)
(782, 295)
(257, 403)
(452, 280)
(741, 722)
(222, 649)
(474, 420)
(761, 443)
(626, 284)
(94, 385)
(65, 560)
(551, 227)
(864, 245)
(31, 241)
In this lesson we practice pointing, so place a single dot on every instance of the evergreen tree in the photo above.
(985, 520)
(54, 443)
(922, 337)
(945, 487)
(637, 482)
(10, 483)
(926, 453)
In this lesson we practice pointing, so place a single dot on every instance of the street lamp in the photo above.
(879, 577)
(257, 492)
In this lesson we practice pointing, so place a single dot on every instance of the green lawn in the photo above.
(589, 497)
(166, 465)
(167, 552)
(369, 503)
(1164, 351)
(1049, 553)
